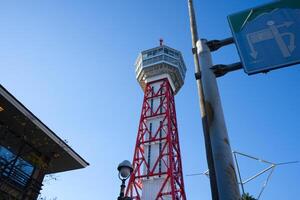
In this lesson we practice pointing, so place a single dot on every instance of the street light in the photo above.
(125, 169)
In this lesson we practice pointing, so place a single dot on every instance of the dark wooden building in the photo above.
(29, 150)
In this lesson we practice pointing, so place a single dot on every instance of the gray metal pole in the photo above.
(204, 116)
(228, 188)
(223, 180)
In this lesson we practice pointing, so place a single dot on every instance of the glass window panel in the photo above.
(24, 166)
(18, 171)
(6, 154)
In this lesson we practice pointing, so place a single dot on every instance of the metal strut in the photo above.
(271, 168)
(214, 45)
(221, 70)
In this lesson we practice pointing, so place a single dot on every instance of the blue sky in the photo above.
(71, 63)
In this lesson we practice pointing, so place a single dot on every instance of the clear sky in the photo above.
(71, 63)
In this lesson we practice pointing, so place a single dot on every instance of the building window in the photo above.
(14, 167)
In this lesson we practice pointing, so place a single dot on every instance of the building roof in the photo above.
(24, 124)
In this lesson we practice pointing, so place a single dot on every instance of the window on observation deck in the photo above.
(14, 168)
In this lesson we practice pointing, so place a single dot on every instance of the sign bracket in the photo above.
(221, 70)
(214, 45)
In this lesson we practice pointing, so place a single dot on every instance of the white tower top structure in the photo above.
(161, 62)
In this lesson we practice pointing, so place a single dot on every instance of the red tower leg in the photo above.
(157, 165)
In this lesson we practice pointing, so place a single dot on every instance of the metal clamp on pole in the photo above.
(221, 70)
(194, 51)
(198, 75)
(214, 45)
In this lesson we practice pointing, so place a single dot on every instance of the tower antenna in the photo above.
(161, 42)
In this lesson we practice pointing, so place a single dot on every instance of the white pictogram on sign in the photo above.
(272, 32)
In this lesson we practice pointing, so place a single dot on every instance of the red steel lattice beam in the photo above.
(169, 152)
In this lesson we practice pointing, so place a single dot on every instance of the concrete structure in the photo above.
(28, 151)
(157, 161)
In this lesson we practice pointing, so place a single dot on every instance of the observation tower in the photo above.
(157, 164)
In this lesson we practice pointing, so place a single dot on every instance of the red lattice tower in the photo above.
(157, 164)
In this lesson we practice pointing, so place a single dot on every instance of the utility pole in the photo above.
(223, 180)
(205, 124)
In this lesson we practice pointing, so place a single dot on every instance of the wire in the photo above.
(271, 167)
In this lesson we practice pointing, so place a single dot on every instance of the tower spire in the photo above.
(161, 41)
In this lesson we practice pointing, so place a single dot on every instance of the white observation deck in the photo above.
(161, 62)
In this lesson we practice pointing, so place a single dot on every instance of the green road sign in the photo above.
(268, 37)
